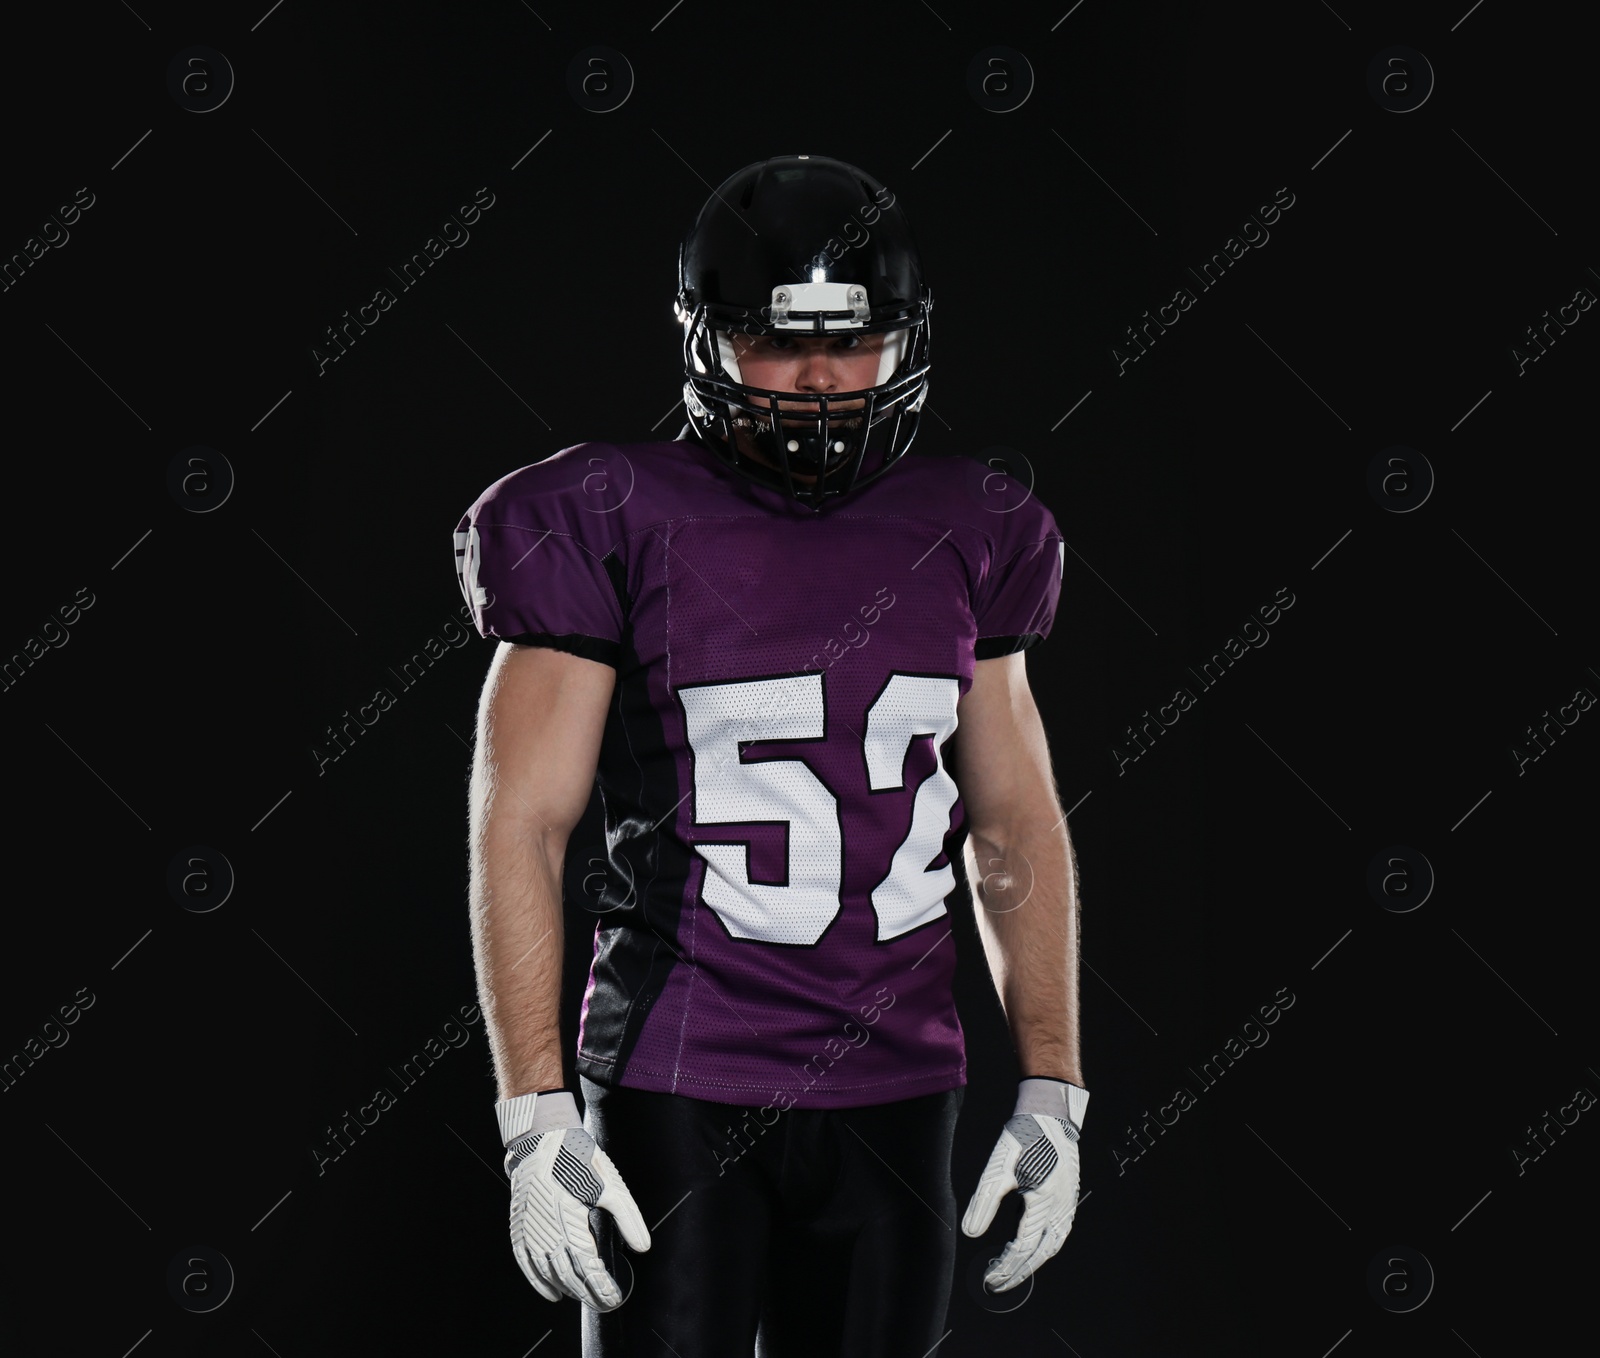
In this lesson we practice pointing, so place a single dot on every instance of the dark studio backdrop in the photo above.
(1338, 1014)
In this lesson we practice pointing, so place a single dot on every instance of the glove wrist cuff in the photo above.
(1057, 1098)
(537, 1112)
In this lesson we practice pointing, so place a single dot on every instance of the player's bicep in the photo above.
(1002, 753)
(540, 722)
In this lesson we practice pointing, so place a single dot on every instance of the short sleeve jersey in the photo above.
(772, 923)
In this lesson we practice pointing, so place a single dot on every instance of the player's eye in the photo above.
(784, 344)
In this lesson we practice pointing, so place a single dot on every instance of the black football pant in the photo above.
(814, 1233)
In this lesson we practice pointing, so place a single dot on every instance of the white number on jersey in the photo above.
(720, 717)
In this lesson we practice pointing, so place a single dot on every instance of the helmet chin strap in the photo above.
(803, 448)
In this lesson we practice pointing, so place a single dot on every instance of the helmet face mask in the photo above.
(760, 272)
(802, 432)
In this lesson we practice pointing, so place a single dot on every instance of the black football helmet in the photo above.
(799, 246)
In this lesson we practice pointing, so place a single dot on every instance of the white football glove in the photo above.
(557, 1174)
(1037, 1153)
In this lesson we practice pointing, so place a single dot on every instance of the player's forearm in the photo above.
(1025, 884)
(517, 947)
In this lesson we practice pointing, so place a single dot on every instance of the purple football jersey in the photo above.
(772, 925)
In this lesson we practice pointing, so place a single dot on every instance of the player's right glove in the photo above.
(557, 1174)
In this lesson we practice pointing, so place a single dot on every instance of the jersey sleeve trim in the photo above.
(987, 648)
(573, 643)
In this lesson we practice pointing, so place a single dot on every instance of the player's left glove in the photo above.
(1037, 1153)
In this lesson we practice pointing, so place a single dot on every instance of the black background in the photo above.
(1226, 464)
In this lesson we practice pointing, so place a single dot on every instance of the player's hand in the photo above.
(556, 1177)
(1038, 1154)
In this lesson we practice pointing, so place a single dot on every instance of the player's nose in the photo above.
(818, 372)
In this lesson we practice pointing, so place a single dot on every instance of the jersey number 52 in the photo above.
(723, 717)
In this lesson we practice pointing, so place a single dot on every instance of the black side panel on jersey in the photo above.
(648, 866)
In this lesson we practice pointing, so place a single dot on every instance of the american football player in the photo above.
(791, 654)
